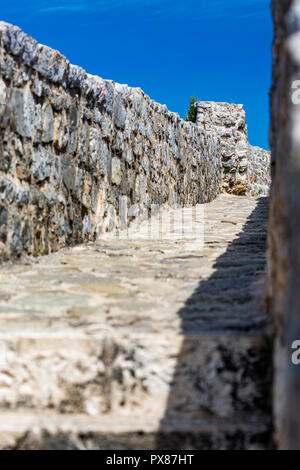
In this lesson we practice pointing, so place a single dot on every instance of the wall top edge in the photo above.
(55, 67)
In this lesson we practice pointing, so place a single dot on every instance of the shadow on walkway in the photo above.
(220, 394)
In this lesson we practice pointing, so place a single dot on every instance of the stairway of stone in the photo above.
(136, 343)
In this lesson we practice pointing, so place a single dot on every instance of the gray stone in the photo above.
(97, 117)
(109, 97)
(14, 39)
(88, 114)
(83, 145)
(26, 235)
(61, 132)
(23, 112)
(3, 93)
(69, 174)
(17, 109)
(243, 164)
(79, 182)
(123, 210)
(106, 127)
(62, 200)
(7, 190)
(144, 110)
(41, 163)
(5, 119)
(141, 128)
(129, 156)
(57, 100)
(229, 164)
(6, 67)
(94, 145)
(227, 121)
(37, 88)
(116, 174)
(149, 131)
(6, 160)
(145, 164)
(87, 225)
(30, 52)
(120, 113)
(38, 123)
(23, 196)
(37, 198)
(73, 123)
(63, 226)
(73, 116)
(19, 43)
(52, 65)
(29, 113)
(109, 165)
(76, 76)
(48, 124)
(57, 169)
(50, 194)
(106, 140)
(46, 91)
(17, 145)
(103, 158)
(3, 224)
(92, 87)
(72, 142)
(118, 144)
(94, 198)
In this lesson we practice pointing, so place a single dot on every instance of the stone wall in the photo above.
(284, 225)
(246, 169)
(75, 150)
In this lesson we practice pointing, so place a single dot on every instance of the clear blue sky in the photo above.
(218, 50)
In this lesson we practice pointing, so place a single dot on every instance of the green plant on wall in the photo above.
(192, 112)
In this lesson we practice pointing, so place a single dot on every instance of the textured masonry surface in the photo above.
(77, 151)
(246, 169)
(73, 144)
(139, 343)
(284, 226)
(126, 343)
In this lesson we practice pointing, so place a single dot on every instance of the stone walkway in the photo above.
(136, 344)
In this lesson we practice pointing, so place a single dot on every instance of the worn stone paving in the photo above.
(99, 340)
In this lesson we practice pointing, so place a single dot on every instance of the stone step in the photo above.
(96, 371)
(141, 344)
(50, 431)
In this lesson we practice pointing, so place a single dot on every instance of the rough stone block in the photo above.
(76, 76)
(47, 124)
(51, 65)
(120, 112)
(41, 163)
(116, 174)
(2, 92)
